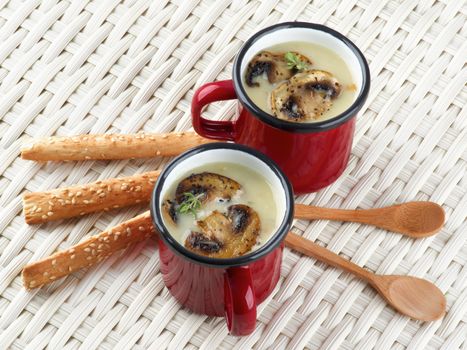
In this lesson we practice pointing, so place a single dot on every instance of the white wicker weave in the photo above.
(70, 67)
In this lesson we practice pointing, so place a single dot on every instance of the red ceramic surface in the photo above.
(310, 160)
(232, 291)
(312, 155)
(230, 287)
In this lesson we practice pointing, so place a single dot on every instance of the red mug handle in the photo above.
(206, 94)
(240, 301)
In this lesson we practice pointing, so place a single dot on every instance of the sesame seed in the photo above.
(106, 238)
(45, 274)
(73, 201)
(102, 195)
(118, 233)
(92, 245)
(100, 246)
(93, 252)
(87, 250)
(158, 153)
(124, 186)
(85, 201)
(34, 208)
(50, 213)
(116, 206)
(115, 237)
(67, 202)
(69, 268)
(141, 228)
(138, 201)
(72, 256)
(72, 250)
(89, 258)
(51, 203)
(82, 213)
(54, 262)
(70, 194)
(100, 191)
(44, 217)
(106, 209)
(165, 136)
(32, 283)
(79, 194)
(52, 277)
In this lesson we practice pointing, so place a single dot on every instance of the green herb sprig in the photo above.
(191, 204)
(293, 61)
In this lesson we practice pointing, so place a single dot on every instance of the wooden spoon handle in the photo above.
(379, 217)
(314, 250)
(111, 146)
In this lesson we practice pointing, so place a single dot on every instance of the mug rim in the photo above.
(272, 243)
(292, 126)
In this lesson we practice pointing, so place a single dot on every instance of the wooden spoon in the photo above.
(411, 296)
(414, 219)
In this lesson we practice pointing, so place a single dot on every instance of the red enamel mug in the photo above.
(312, 155)
(230, 287)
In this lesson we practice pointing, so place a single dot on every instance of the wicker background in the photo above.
(70, 67)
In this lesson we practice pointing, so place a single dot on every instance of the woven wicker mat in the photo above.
(70, 67)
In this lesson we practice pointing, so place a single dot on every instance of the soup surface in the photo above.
(249, 190)
(322, 59)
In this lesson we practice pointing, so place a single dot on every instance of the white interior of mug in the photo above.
(315, 36)
(223, 155)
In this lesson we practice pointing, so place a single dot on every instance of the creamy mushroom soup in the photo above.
(220, 210)
(299, 82)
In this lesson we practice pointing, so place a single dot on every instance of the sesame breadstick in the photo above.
(89, 252)
(108, 146)
(79, 200)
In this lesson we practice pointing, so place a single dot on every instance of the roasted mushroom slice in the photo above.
(226, 236)
(274, 65)
(211, 184)
(205, 186)
(306, 96)
(199, 242)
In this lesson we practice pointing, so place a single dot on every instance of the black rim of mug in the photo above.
(269, 246)
(301, 127)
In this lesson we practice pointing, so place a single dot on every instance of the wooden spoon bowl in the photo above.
(411, 296)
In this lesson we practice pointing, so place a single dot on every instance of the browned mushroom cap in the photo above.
(226, 236)
(306, 96)
(273, 64)
(211, 185)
